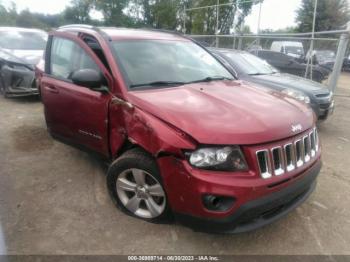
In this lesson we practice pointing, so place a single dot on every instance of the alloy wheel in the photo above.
(141, 193)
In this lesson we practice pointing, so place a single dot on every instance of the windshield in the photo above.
(250, 64)
(294, 50)
(159, 61)
(16, 40)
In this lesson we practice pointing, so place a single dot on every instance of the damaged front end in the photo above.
(17, 79)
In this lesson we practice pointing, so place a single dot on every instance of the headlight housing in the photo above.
(297, 95)
(229, 158)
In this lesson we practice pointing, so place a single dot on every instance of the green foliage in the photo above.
(203, 21)
(289, 29)
(246, 30)
(78, 13)
(8, 17)
(165, 14)
(27, 19)
(113, 12)
(331, 14)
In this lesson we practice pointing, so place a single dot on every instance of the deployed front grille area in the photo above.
(282, 159)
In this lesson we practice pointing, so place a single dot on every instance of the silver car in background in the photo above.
(20, 51)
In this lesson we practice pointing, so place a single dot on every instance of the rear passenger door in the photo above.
(74, 113)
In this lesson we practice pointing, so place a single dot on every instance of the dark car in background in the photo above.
(253, 69)
(287, 64)
(324, 58)
(20, 50)
(346, 64)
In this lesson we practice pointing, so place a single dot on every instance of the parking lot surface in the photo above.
(53, 199)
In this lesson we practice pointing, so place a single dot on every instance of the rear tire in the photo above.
(135, 186)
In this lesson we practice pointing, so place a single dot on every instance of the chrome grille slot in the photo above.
(264, 163)
(306, 142)
(277, 159)
(312, 143)
(316, 139)
(299, 152)
(289, 157)
(284, 158)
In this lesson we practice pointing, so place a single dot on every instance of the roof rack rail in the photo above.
(77, 25)
(84, 26)
(163, 30)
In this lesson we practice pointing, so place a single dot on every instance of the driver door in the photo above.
(74, 113)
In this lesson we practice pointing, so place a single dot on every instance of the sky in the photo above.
(275, 14)
(40, 6)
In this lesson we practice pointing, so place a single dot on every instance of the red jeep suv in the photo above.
(184, 138)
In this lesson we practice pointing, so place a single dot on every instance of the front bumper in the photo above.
(323, 109)
(257, 201)
(18, 81)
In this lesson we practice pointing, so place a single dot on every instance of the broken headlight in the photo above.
(229, 158)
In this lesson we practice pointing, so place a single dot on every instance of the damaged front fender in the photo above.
(149, 132)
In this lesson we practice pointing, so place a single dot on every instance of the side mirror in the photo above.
(89, 78)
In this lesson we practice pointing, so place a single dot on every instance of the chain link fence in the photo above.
(330, 49)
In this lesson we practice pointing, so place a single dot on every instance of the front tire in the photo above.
(135, 186)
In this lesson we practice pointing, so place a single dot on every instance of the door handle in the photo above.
(52, 89)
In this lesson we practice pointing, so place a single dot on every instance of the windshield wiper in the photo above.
(178, 83)
(159, 83)
(210, 78)
(257, 74)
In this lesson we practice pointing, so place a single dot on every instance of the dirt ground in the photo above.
(53, 199)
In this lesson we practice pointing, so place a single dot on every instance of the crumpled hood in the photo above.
(283, 81)
(226, 112)
(26, 57)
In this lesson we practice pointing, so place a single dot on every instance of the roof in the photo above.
(118, 33)
(128, 33)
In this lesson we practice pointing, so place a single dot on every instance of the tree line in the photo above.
(169, 14)
(164, 14)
